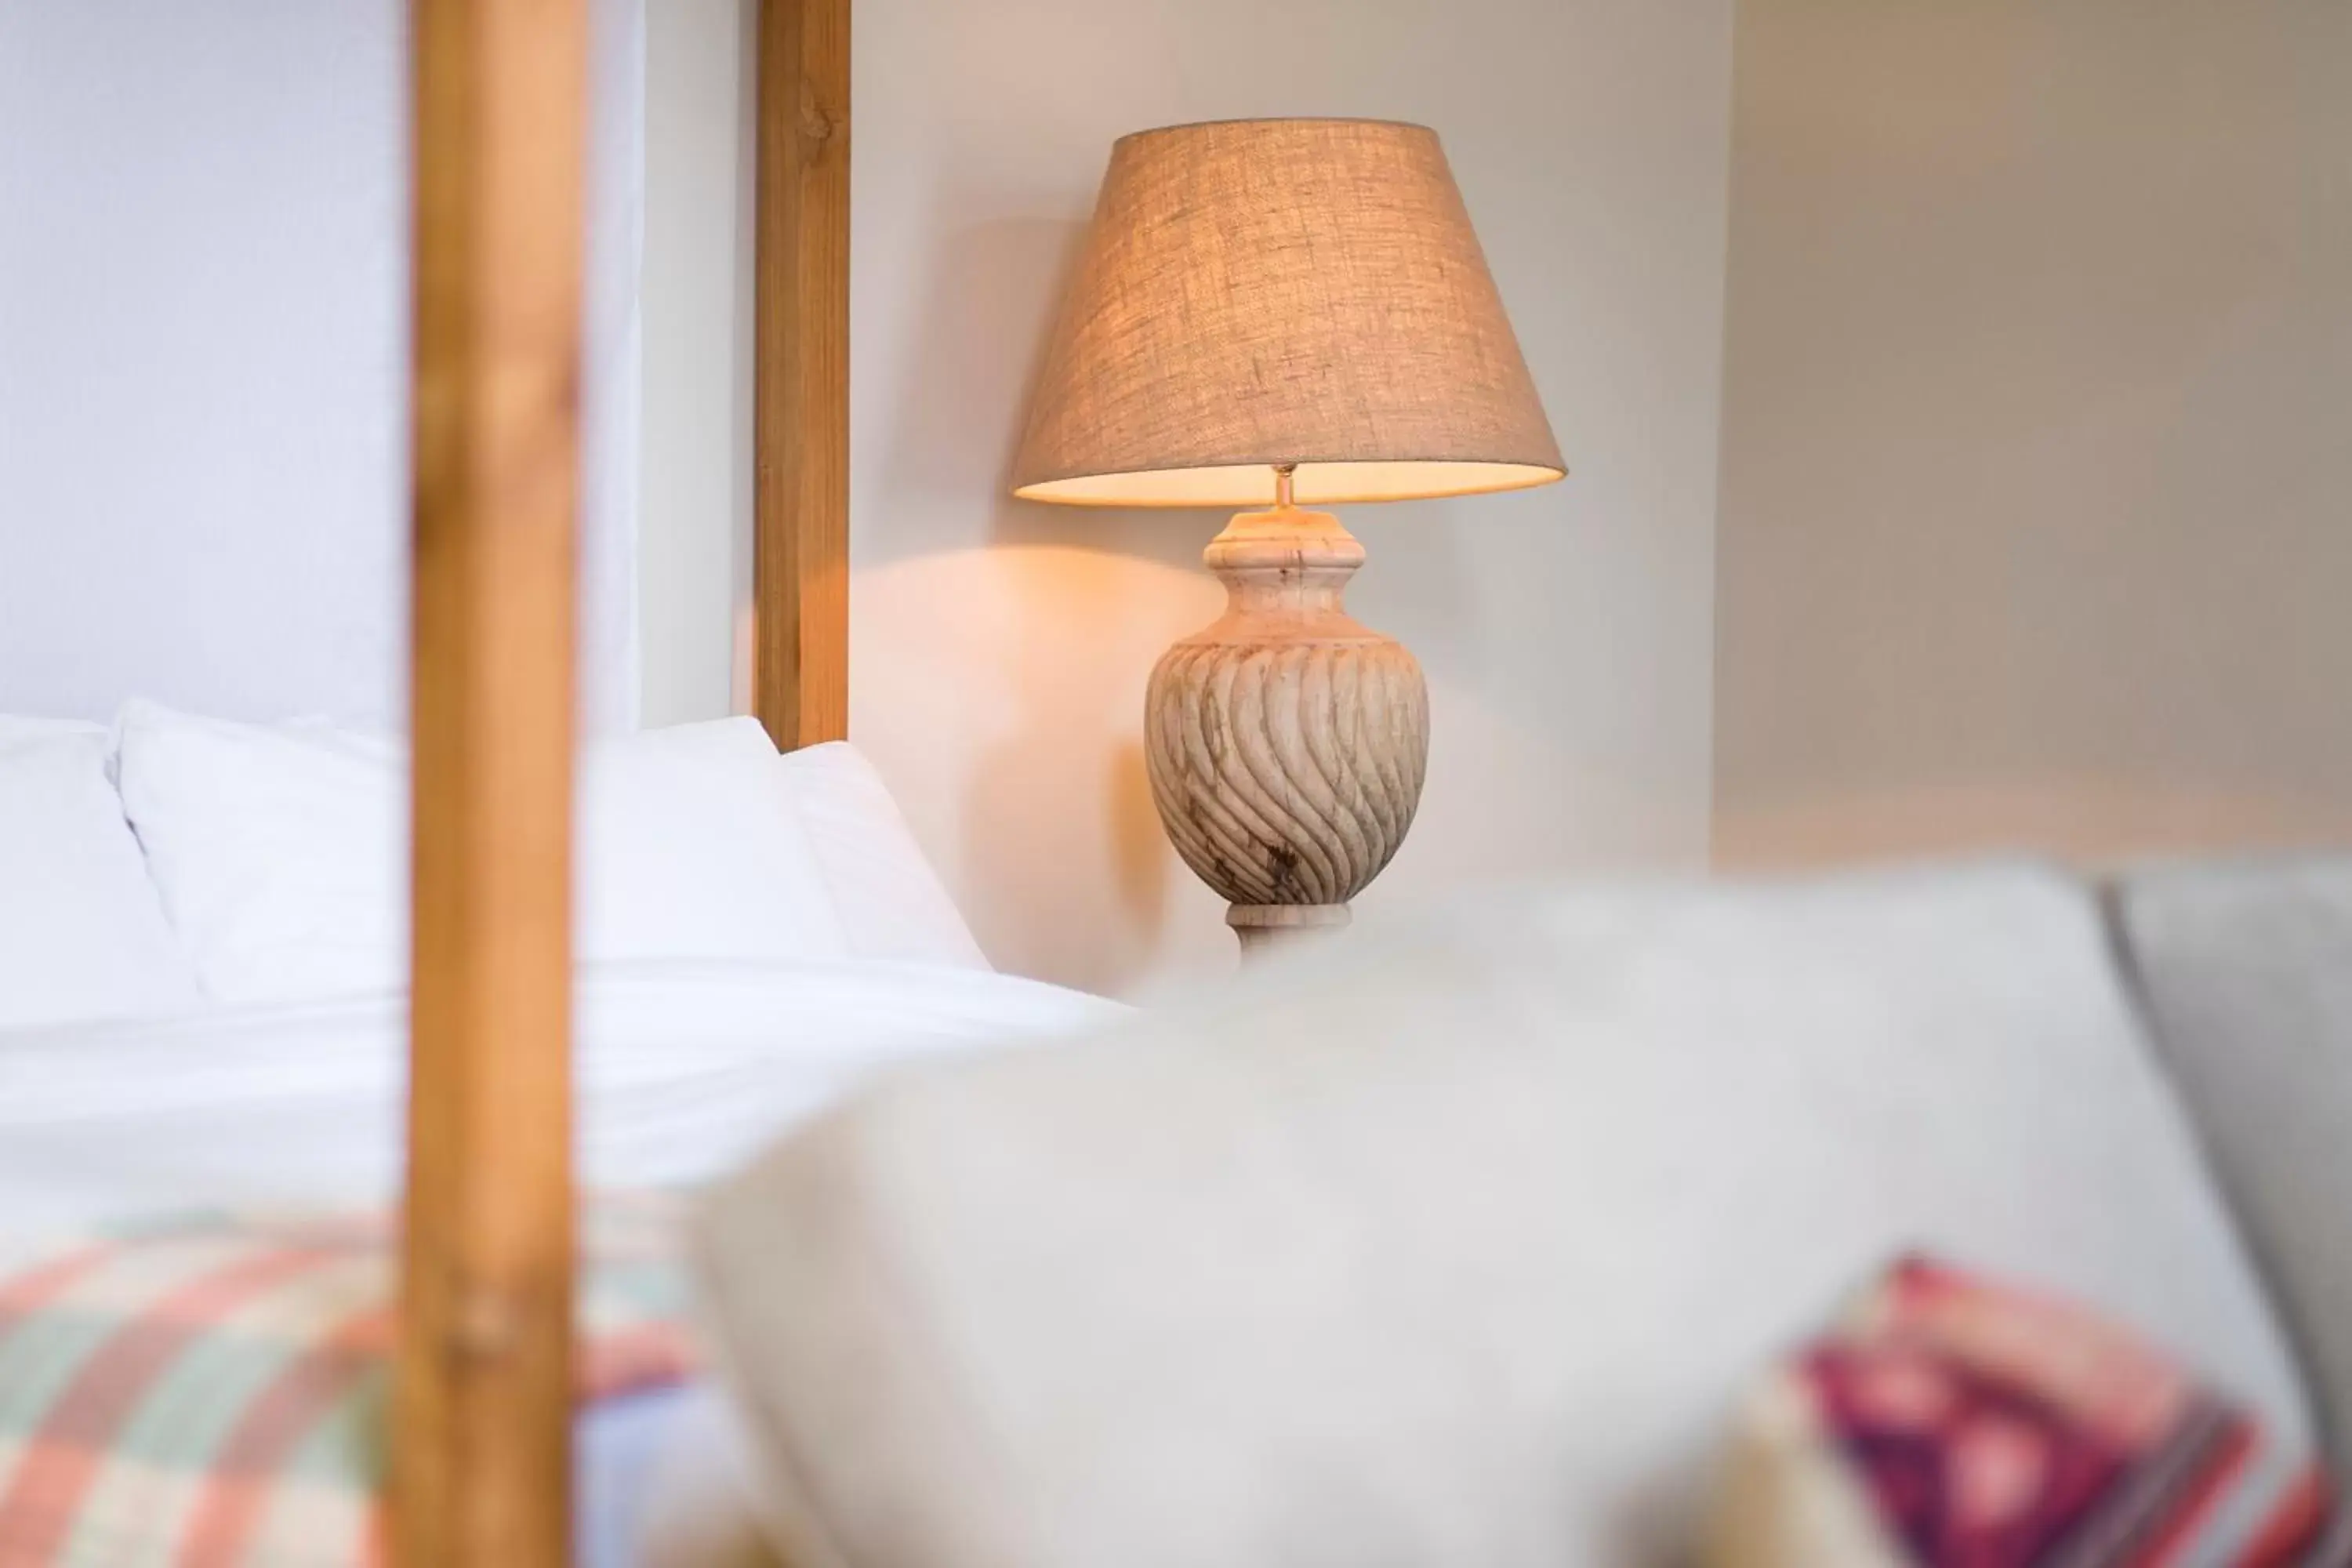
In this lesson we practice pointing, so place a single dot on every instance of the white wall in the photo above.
(694, 571)
(1000, 650)
(2038, 429)
(203, 359)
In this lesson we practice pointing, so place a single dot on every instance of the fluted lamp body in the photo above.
(1286, 742)
(1266, 313)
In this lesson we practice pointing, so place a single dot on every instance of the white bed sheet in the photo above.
(682, 1070)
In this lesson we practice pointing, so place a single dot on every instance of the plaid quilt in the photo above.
(209, 1391)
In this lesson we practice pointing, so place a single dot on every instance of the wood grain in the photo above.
(801, 375)
(1285, 742)
(483, 1389)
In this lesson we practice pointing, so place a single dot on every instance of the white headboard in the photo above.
(202, 352)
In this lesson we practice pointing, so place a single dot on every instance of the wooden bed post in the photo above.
(483, 1389)
(800, 375)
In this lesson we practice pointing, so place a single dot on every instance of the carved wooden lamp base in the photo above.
(1286, 742)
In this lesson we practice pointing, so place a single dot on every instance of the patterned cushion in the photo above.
(1952, 1423)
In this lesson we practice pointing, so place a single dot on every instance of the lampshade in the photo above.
(1257, 292)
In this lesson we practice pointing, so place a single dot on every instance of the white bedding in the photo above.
(682, 1069)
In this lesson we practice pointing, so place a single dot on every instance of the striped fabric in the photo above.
(1960, 1423)
(209, 1391)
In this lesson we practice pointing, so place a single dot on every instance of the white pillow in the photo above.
(281, 851)
(82, 935)
(891, 903)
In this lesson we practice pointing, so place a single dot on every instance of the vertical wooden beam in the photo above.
(801, 375)
(482, 1399)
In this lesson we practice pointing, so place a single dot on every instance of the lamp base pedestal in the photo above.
(1285, 742)
(1266, 927)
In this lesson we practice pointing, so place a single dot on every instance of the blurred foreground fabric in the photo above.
(1952, 1420)
(1457, 1249)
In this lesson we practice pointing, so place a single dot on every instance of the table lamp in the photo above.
(1278, 313)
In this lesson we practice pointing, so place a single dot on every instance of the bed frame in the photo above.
(483, 1381)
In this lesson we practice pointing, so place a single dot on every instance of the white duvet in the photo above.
(681, 1070)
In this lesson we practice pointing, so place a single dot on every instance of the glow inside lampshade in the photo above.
(1281, 292)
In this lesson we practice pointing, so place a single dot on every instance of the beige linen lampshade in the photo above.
(1281, 292)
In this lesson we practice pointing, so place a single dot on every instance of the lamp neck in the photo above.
(1288, 562)
(1283, 473)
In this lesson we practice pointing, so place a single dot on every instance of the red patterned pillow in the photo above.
(1955, 1423)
